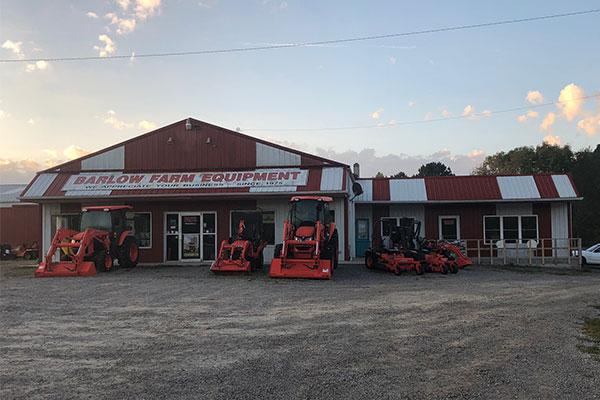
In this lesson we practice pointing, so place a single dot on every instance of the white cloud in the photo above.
(108, 48)
(552, 140)
(15, 47)
(570, 101)
(377, 113)
(446, 114)
(392, 60)
(468, 111)
(146, 8)
(30, 121)
(548, 121)
(534, 97)
(411, 103)
(476, 153)
(124, 4)
(528, 115)
(124, 25)
(4, 115)
(112, 120)
(38, 65)
(590, 125)
(390, 164)
(486, 113)
(146, 125)
(91, 14)
(72, 152)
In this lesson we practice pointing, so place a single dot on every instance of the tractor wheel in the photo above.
(258, 263)
(369, 261)
(103, 261)
(334, 248)
(27, 256)
(129, 253)
(444, 269)
(419, 269)
(278, 250)
(454, 268)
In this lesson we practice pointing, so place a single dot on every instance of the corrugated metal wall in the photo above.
(20, 224)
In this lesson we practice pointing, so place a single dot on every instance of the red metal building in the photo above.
(486, 208)
(19, 222)
(189, 183)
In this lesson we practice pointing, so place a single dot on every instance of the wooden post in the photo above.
(491, 254)
(518, 258)
(504, 251)
(569, 249)
(529, 252)
(579, 249)
(543, 252)
(478, 252)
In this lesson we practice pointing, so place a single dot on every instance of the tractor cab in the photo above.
(310, 241)
(105, 218)
(307, 213)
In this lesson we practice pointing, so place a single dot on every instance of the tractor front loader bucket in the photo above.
(300, 268)
(65, 269)
(73, 247)
(232, 258)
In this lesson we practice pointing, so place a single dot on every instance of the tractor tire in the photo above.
(103, 261)
(419, 269)
(258, 263)
(444, 269)
(334, 248)
(454, 269)
(27, 256)
(369, 260)
(278, 250)
(129, 253)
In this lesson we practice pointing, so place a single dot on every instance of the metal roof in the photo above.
(468, 189)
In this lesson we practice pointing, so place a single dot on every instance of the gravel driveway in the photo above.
(181, 332)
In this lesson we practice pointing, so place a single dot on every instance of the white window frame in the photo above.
(520, 226)
(149, 213)
(456, 217)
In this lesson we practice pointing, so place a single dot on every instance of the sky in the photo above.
(54, 111)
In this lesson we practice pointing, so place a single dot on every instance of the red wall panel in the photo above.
(20, 224)
(471, 218)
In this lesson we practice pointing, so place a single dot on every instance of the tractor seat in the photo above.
(305, 232)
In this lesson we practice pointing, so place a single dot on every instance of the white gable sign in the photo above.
(280, 177)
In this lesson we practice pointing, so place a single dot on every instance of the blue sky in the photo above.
(54, 111)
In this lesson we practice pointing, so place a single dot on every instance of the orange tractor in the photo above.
(397, 252)
(310, 241)
(104, 237)
(245, 252)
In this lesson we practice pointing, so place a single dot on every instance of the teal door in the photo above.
(363, 236)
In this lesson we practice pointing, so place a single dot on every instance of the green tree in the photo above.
(399, 175)
(379, 175)
(434, 169)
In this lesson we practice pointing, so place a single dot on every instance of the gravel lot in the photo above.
(181, 332)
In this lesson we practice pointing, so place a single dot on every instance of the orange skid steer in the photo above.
(103, 238)
(310, 241)
(245, 252)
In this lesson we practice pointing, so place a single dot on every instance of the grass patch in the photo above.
(591, 328)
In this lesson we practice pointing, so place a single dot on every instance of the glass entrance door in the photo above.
(190, 236)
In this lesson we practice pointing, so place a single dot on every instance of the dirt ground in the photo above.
(181, 332)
